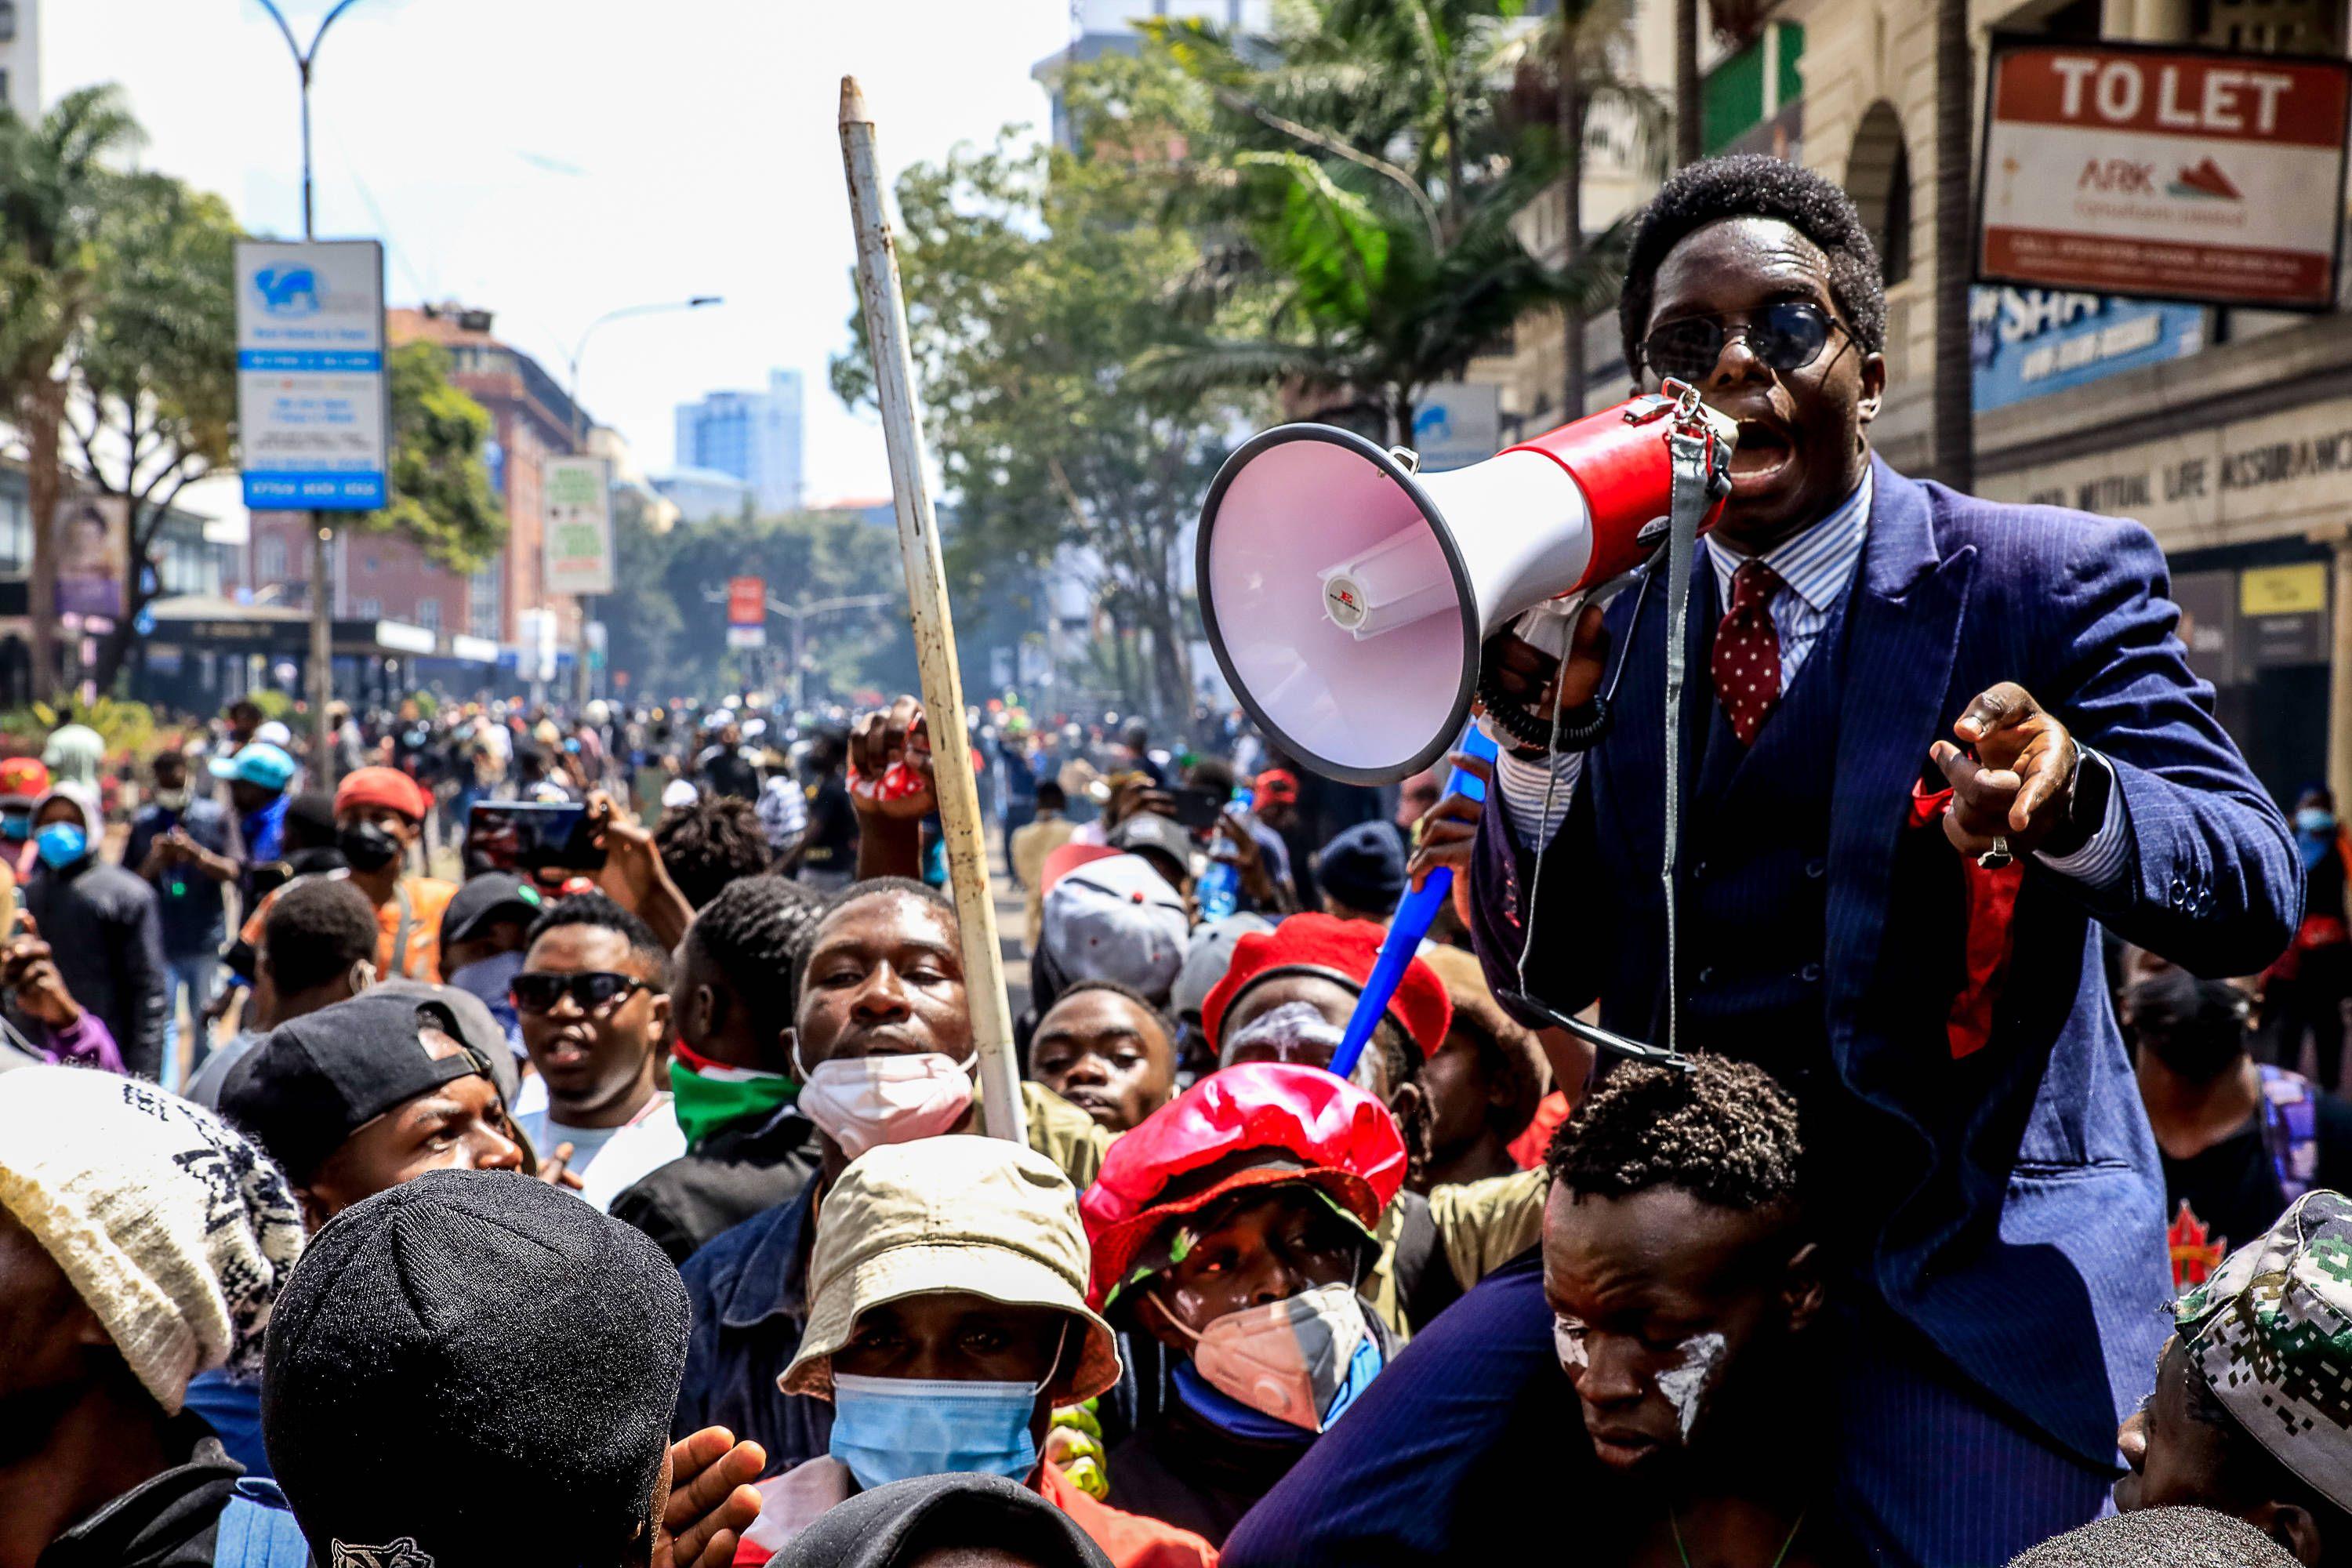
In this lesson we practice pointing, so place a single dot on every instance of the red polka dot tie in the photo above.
(1746, 663)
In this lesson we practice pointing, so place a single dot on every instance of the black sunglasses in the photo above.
(591, 989)
(1787, 336)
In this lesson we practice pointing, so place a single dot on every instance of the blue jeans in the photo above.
(192, 975)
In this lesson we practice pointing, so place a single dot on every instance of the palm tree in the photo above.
(53, 181)
(1690, 118)
(1370, 177)
(1582, 47)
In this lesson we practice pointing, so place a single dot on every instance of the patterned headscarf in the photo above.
(2271, 1333)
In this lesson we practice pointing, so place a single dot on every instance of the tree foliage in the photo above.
(668, 622)
(1036, 280)
(56, 177)
(441, 495)
(152, 389)
(1369, 168)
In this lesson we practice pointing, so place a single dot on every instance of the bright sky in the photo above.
(552, 160)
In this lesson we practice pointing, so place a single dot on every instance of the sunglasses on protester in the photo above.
(1787, 336)
(591, 989)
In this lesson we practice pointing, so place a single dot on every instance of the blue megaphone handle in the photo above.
(1411, 923)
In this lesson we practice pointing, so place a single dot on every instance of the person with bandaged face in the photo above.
(1233, 1230)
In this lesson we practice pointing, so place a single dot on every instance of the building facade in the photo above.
(704, 495)
(20, 57)
(755, 435)
(2227, 432)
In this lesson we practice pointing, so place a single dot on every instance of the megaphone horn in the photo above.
(1346, 596)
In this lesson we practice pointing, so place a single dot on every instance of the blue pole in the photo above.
(1410, 925)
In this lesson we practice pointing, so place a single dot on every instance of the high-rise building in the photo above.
(20, 57)
(755, 435)
(1099, 27)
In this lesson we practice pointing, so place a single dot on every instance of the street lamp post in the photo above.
(582, 684)
(799, 616)
(322, 611)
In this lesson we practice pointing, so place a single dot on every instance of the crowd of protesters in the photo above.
(517, 1135)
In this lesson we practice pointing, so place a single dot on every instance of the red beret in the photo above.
(382, 786)
(1344, 950)
(1301, 1125)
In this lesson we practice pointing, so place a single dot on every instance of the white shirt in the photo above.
(1818, 566)
(609, 1160)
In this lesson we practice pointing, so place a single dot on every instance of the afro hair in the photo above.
(1753, 185)
(1723, 1131)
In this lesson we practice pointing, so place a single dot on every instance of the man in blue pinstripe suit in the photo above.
(1930, 741)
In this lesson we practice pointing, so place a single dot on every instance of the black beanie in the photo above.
(478, 1365)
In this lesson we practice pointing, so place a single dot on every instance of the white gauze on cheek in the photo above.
(1285, 1031)
(1685, 1384)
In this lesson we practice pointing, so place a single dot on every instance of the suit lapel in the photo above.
(1907, 614)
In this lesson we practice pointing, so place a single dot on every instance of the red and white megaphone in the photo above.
(1346, 596)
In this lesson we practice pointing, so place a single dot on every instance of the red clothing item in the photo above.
(1128, 1539)
(1528, 1149)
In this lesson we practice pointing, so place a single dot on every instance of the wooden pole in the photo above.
(935, 651)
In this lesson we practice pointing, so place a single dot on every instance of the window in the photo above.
(15, 535)
(428, 614)
(372, 564)
(484, 591)
(269, 559)
(369, 609)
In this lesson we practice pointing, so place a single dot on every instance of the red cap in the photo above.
(1339, 1139)
(1344, 950)
(24, 778)
(382, 786)
(1275, 785)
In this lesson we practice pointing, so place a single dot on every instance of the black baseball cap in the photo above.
(475, 1027)
(485, 899)
(1147, 830)
(477, 1366)
(315, 1080)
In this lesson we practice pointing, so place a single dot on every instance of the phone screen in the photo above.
(1197, 805)
(526, 837)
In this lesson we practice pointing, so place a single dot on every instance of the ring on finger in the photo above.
(1994, 858)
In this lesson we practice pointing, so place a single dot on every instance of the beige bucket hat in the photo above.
(954, 1212)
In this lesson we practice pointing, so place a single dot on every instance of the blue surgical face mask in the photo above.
(895, 1428)
(17, 824)
(61, 844)
(2314, 819)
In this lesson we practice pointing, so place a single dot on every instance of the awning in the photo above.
(209, 622)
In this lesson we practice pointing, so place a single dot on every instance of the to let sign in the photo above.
(2164, 174)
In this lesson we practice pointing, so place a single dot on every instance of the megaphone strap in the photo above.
(1701, 469)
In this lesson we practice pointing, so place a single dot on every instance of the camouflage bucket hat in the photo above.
(2271, 1333)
